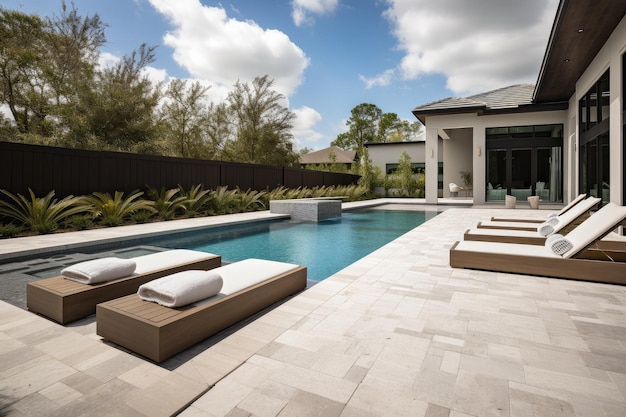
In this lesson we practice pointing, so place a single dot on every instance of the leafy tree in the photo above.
(118, 112)
(406, 180)
(262, 125)
(404, 131)
(43, 64)
(185, 118)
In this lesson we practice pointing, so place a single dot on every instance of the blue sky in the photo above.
(327, 56)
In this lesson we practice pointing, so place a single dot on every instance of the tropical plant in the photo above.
(167, 202)
(196, 199)
(9, 230)
(40, 215)
(222, 201)
(250, 200)
(113, 210)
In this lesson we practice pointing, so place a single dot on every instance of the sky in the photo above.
(328, 56)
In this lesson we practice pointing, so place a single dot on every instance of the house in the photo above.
(330, 155)
(555, 139)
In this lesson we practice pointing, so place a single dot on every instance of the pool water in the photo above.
(324, 248)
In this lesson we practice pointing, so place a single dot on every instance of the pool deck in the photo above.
(398, 333)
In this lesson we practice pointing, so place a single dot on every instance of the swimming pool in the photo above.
(324, 248)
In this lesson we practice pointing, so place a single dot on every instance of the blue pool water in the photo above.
(324, 248)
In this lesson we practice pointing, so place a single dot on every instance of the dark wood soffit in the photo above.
(570, 52)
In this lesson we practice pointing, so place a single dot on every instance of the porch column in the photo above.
(432, 167)
(479, 165)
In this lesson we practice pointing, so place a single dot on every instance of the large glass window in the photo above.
(594, 140)
(523, 161)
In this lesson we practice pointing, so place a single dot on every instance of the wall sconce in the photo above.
(478, 151)
(432, 152)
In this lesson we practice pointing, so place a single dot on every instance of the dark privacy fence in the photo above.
(80, 172)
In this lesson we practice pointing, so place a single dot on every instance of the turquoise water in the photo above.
(324, 248)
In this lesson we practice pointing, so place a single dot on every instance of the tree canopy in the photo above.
(368, 124)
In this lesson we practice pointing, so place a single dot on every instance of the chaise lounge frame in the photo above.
(585, 262)
(65, 301)
(565, 209)
(157, 332)
(568, 220)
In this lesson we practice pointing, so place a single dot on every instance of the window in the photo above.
(523, 161)
(594, 140)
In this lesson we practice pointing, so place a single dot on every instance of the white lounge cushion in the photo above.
(99, 270)
(243, 274)
(182, 288)
(167, 259)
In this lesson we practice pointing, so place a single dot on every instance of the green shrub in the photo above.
(41, 215)
(141, 216)
(167, 202)
(196, 200)
(113, 210)
(79, 222)
(10, 230)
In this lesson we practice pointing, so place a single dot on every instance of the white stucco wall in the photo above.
(382, 154)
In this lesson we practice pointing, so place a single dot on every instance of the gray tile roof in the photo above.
(503, 98)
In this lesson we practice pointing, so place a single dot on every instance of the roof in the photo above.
(515, 98)
(579, 31)
(323, 156)
(405, 143)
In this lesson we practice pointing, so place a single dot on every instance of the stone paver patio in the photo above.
(398, 333)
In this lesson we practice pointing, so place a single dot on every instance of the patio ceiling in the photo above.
(580, 29)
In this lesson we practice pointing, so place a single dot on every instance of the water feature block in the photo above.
(307, 209)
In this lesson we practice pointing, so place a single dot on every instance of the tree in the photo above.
(406, 180)
(262, 125)
(185, 118)
(404, 131)
(43, 63)
(118, 111)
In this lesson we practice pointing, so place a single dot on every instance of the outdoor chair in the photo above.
(158, 332)
(575, 256)
(64, 301)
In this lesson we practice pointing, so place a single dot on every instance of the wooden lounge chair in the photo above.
(566, 222)
(611, 242)
(583, 261)
(571, 204)
(159, 332)
(65, 301)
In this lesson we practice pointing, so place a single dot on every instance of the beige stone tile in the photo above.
(335, 389)
(450, 362)
(32, 376)
(577, 385)
(222, 398)
(165, 396)
(60, 393)
(383, 400)
(481, 395)
(144, 375)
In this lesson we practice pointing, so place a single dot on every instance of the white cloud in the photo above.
(477, 45)
(212, 46)
(303, 132)
(381, 80)
(302, 10)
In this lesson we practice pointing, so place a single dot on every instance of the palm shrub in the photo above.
(196, 199)
(113, 210)
(41, 215)
(167, 202)
(9, 230)
(251, 200)
(222, 201)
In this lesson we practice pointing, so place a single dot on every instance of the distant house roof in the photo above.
(515, 98)
(323, 156)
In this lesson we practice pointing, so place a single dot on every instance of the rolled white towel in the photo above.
(558, 244)
(553, 214)
(99, 270)
(545, 229)
(552, 221)
(182, 288)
